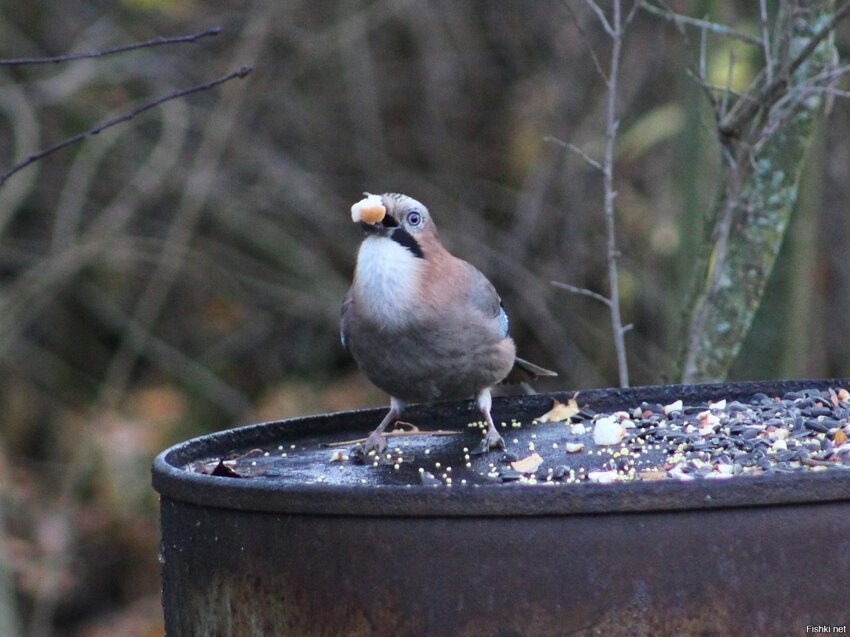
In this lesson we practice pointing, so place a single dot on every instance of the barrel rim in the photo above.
(175, 483)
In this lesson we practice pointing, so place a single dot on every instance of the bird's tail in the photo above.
(531, 369)
(524, 372)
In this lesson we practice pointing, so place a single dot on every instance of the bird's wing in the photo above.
(483, 296)
(346, 305)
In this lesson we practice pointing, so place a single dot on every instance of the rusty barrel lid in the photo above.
(287, 467)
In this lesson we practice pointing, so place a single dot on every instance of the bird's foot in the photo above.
(376, 442)
(490, 442)
(373, 445)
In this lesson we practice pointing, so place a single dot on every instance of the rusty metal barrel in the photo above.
(299, 540)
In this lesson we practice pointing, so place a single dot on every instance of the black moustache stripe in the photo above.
(405, 239)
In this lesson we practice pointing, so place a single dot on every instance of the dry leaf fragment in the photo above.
(652, 475)
(338, 456)
(560, 411)
(529, 464)
(840, 437)
(843, 395)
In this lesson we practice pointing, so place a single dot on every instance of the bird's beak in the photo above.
(371, 213)
(380, 228)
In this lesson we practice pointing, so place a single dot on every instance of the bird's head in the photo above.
(396, 217)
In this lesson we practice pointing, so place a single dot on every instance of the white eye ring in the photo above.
(414, 218)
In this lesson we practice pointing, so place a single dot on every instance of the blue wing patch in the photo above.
(344, 340)
(503, 321)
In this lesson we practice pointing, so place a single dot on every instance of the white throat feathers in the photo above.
(386, 280)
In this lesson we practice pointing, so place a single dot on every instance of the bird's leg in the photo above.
(492, 439)
(376, 441)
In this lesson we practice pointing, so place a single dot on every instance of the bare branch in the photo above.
(616, 30)
(829, 90)
(699, 72)
(705, 25)
(728, 88)
(601, 15)
(578, 151)
(194, 37)
(632, 13)
(743, 111)
(715, 88)
(583, 292)
(240, 73)
(765, 39)
(612, 125)
(593, 57)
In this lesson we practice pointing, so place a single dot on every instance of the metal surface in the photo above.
(760, 555)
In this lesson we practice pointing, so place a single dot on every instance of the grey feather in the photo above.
(343, 310)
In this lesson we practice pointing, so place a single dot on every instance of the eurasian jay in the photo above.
(422, 324)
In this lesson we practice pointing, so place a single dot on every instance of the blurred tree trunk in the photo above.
(9, 624)
(764, 137)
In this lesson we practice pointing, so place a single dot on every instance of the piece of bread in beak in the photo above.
(368, 210)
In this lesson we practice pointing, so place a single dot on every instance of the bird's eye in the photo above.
(414, 218)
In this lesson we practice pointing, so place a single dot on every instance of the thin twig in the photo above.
(632, 12)
(727, 90)
(611, 194)
(182, 39)
(578, 151)
(705, 25)
(742, 112)
(593, 57)
(716, 88)
(601, 15)
(584, 292)
(240, 73)
(828, 90)
(396, 433)
(765, 39)
(699, 72)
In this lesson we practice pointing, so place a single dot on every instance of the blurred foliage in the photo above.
(183, 273)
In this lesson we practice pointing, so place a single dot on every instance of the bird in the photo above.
(423, 324)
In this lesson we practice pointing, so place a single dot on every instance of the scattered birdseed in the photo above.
(801, 431)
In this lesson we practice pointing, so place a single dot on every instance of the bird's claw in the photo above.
(493, 440)
(375, 442)
(369, 448)
(490, 442)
